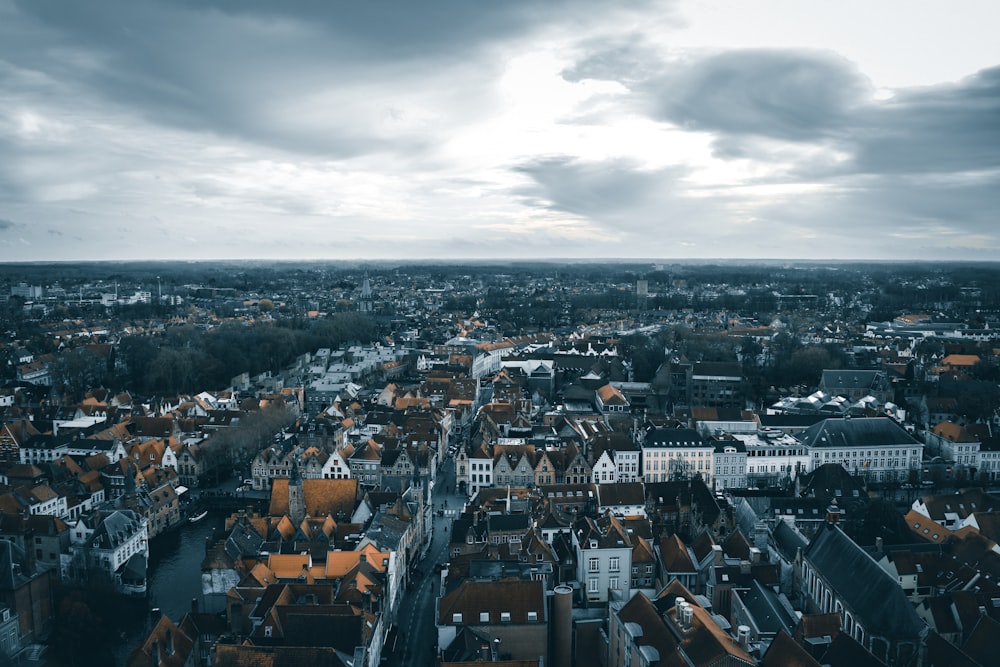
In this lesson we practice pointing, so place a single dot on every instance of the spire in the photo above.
(296, 496)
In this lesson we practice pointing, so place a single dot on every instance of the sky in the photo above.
(521, 129)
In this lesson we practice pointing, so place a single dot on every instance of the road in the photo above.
(417, 643)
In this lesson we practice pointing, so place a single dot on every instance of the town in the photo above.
(599, 464)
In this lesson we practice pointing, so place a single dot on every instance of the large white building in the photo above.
(676, 453)
(875, 447)
(773, 457)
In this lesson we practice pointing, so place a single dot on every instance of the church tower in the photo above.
(296, 496)
(367, 303)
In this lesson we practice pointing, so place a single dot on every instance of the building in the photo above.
(111, 549)
(837, 576)
(855, 384)
(604, 558)
(876, 448)
(671, 630)
(716, 385)
(511, 611)
(676, 453)
(730, 464)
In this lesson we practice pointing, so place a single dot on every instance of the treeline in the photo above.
(188, 358)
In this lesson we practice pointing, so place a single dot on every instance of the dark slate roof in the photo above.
(788, 540)
(623, 493)
(870, 432)
(865, 587)
(675, 437)
(717, 368)
(508, 522)
(769, 614)
(789, 422)
(831, 480)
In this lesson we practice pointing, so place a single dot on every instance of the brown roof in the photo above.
(166, 640)
(817, 625)
(785, 652)
(674, 555)
(472, 598)
(245, 655)
(323, 497)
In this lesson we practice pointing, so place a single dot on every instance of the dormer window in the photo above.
(456, 617)
(484, 617)
(505, 617)
(532, 616)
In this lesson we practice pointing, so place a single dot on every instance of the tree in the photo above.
(81, 637)
(78, 370)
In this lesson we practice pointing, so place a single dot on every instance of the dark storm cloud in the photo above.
(804, 96)
(595, 190)
(293, 75)
(784, 94)
(945, 128)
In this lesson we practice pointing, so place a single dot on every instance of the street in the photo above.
(417, 642)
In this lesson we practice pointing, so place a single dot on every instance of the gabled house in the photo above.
(604, 558)
(513, 611)
(670, 631)
(110, 547)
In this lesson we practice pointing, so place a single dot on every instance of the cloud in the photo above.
(314, 77)
(788, 94)
(945, 128)
(7, 224)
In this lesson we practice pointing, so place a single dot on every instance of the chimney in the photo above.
(743, 636)
(194, 605)
(754, 556)
(717, 554)
(744, 567)
(236, 618)
(169, 643)
(832, 514)
(363, 557)
(879, 544)
(687, 613)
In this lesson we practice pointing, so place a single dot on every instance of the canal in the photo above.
(173, 579)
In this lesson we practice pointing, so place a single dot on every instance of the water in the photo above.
(173, 580)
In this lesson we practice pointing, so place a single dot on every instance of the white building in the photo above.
(875, 447)
(773, 456)
(113, 548)
(676, 453)
(730, 464)
(604, 558)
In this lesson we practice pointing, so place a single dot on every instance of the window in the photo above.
(456, 617)
(532, 615)
(615, 566)
(613, 582)
(592, 584)
(484, 617)
(593, 565)
(505, 617)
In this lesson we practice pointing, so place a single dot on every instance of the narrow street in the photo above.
(417, 644)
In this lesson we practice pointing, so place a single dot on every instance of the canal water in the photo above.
(173, 580)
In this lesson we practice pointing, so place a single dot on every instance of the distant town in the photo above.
(593, 464)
